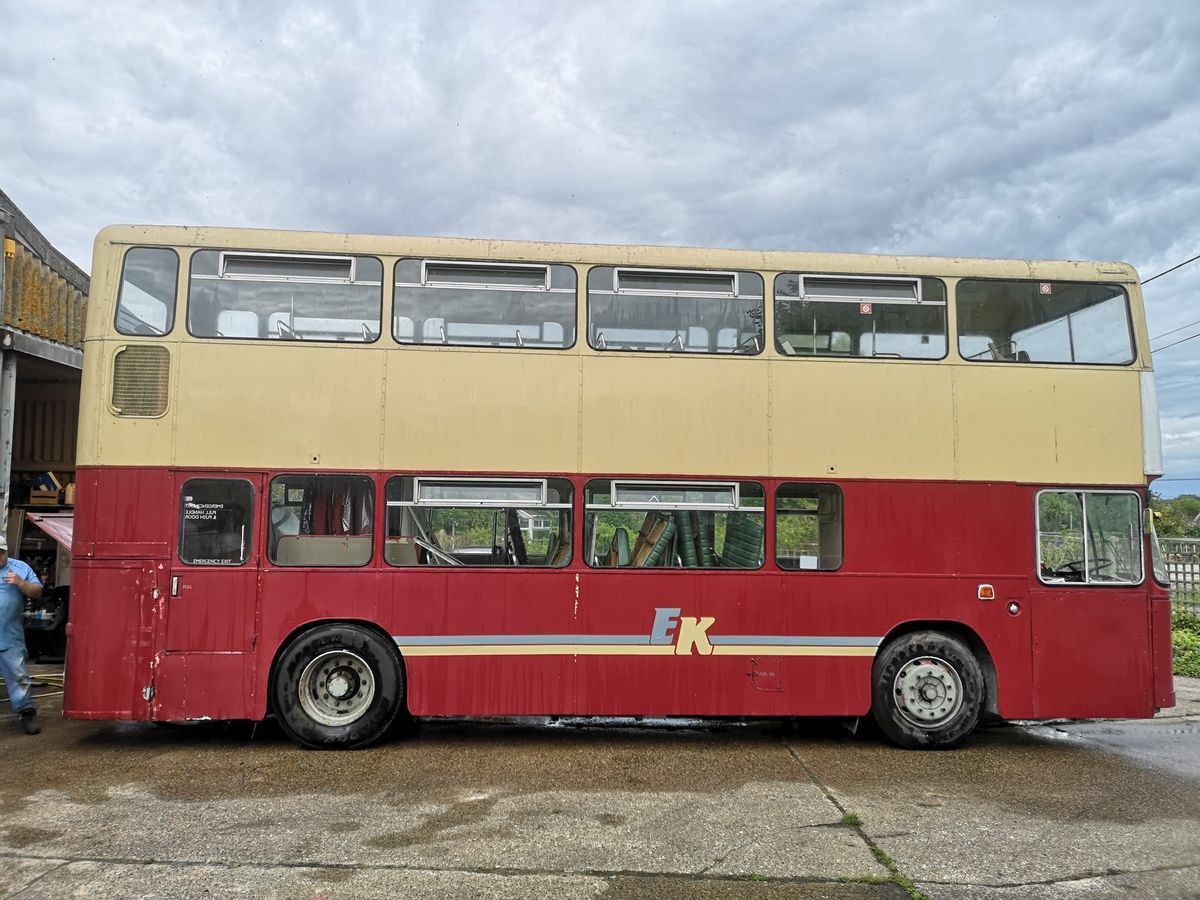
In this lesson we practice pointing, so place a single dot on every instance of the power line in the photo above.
(1176, 344)
(1172, 269)
(1173, 330)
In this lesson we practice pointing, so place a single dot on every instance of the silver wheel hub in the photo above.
(928, 691)
(336, 688)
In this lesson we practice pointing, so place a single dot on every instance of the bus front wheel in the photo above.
(927, 691)
(338, 686)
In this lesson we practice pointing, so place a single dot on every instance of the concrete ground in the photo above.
(515, 809)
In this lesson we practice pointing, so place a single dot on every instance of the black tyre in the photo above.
(927, 691)
(337, 686)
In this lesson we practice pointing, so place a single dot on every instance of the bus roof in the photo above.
(619, 254)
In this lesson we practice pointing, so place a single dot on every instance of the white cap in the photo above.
(3, 543)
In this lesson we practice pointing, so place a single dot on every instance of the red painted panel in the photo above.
(472, 603)
(1091, 652)
(1160, 640)
(204, 686)
(114, 605)
(915, 553)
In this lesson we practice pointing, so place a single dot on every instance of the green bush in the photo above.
(1183, 619)
(1185, 636)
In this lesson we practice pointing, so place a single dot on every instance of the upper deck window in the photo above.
(478, 304)
(146, 302)
(674, 311)
(285, 296)
(860, 316)
(1044, 322)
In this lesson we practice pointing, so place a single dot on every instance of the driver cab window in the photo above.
(1089, 537)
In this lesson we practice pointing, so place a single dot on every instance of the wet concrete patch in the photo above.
(1012, 808)
(123, 881)
(21, 836)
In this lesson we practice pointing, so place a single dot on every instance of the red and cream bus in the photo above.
(340, 479)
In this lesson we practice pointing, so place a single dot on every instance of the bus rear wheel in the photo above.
(337, 686)
(927, 691)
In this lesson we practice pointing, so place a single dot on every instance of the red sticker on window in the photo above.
(864, 308)
(1045, 288)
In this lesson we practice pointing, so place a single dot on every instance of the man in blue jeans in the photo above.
(17, 581)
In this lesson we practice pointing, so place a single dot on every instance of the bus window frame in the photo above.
(435, 284)
(814, 485)
(1037, 538)
(275, 279)
(252, 531)
(121, 282)
(918, 301)
(1120, 285)
(760, 339)
(612, 506)
(543, 504)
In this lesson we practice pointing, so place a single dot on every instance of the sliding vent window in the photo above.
(671, 311)
(146, 303)
(285, 297)
(674, 525)
(321, 520)
(1044, 322)
(808, 527)
(474, 304)
(1089, 537)
(454, 522)
(860, 316)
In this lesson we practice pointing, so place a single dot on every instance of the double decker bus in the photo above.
(339, 479)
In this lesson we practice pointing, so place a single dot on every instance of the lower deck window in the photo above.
(808, 526)
(216, 518)
(643, 525)
(511, 522)
(321, 520)
(1089, 537)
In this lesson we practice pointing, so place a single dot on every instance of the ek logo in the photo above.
(689, 632)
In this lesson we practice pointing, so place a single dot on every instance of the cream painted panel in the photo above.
(1050, 425)
(278, 405)
(121, 441)
(481, 410)
(685, 415)
(861, 419)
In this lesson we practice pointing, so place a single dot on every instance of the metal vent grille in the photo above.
(141, 378)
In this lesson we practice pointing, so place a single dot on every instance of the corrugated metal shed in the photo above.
(43, 304)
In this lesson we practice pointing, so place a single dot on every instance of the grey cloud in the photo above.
(1026, 130)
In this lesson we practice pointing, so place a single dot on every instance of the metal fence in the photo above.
(1182, 556)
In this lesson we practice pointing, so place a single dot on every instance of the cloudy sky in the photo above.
(1046, 129)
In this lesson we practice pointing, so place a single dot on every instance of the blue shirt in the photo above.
(12, 605)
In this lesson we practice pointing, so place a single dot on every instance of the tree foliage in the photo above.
(1176, 517)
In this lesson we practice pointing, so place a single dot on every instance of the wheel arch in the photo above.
(318, 623)
(968, 636)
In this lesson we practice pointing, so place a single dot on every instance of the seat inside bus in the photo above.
(686, 539)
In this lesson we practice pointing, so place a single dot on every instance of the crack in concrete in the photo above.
(395, 867)
(38, 878)
(881, 855)
(1086, 876)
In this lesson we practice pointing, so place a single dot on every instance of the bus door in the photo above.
(212, 598)
(1089, 610)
